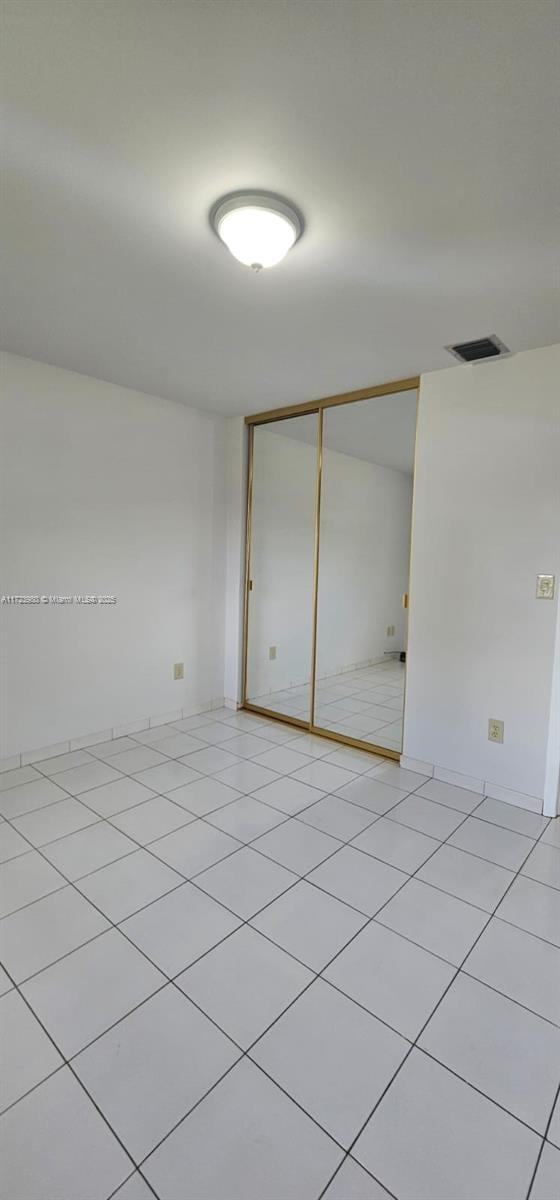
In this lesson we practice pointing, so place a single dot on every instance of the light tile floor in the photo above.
(238, 966)
(366, 704)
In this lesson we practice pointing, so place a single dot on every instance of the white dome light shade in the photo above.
(257, 228)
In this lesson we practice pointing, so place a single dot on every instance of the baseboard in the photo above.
(484, 787)
(25, 757)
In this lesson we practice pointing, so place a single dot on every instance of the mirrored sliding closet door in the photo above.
(281, 552)
(364, 553)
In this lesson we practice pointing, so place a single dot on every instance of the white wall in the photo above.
(486, 521)
(364, 559)
(106, 491)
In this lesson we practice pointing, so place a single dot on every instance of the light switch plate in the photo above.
(545, 587)
(178, 670)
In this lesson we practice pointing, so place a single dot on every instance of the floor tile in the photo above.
(244, 984)
(309, 743)
(426, 817)
(267, 1146)
(213, 733)
(324, 776)
(116, 797)
(283, 759)
(27, 1055)
(309, 924)
(248, 745)
(106, 750)
(134, 1189)
(124, 886)
(547, 1179)
(553, 1133)
(130, 762)
(492, 842)
(79, 997)
(396, 844)
(353, 1183)
(26, 797)
(88, 850)
(543, 864)
(332, 1058)
(357, 879)
(533, 907)
(54, 1140)
(354, 760)
(399, 777)
(246, 776)
(551, 835)
(204, 795)
(519, 965)
(336, 816)
(212, 759)
(473, 1032)
(246, 720)
(178, 744)
(194, 722)
(194, 848)
(11, 843)
(512, 817)
(82, 779)
(246, 818)
(434, 920)
(45, 930)
(19, 775)
(156, 733)
(177, 929)
(458, 798)
(434, 1136)
(296, 846)
(148, 1071)
(168, 776)
(55, 821)
(469, 878)
(5, 982)
(26, 879)
(288, 795)
(397, 981)
(245, 882)
(370, 793)
(63, 762)
(151, 820)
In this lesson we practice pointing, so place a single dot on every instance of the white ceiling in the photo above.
(381, 430)
(419, 137)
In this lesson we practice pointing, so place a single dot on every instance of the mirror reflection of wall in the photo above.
(282, 565)
(366, 503)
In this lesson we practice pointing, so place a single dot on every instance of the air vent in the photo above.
(477, 351)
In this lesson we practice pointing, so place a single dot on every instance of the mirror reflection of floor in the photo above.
(366, 703)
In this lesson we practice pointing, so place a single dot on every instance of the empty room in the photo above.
(279, 620)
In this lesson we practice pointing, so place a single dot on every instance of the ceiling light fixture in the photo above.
(258, 228)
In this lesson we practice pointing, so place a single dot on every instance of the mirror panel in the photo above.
(366, 506)
(282, 552)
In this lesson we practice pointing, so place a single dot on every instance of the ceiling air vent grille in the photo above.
(477, 351)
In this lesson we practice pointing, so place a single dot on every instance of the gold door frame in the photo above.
(282, 414)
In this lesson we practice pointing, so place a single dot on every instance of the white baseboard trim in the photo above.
(484, 787)
(26, 757)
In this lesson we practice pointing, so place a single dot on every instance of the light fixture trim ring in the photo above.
(256, 199)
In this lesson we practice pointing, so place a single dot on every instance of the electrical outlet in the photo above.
(495, 730)
(390, 631)
(178, 670)
(272, 653)
(545, 587)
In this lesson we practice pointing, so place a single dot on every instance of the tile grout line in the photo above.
(377, 816)
(421, 1031)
